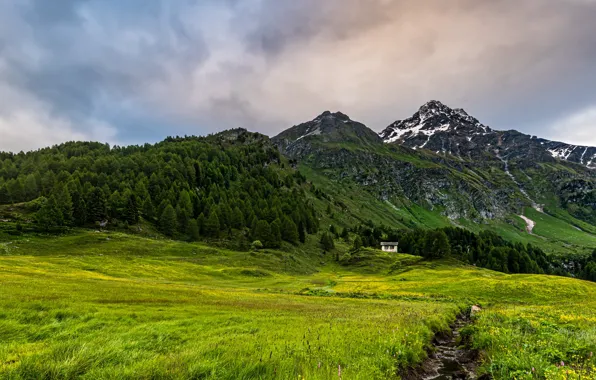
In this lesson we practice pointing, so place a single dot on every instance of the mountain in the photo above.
(325, 128)
(444, 167)
(444, 130)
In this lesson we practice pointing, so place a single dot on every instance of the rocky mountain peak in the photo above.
(433, 118)
(328, 127)
(444, 130)
(328, 115)
(434, 107)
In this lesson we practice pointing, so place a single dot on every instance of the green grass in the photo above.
(110, 305)
(559, 230)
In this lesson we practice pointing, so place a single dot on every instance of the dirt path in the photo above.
(448, 361)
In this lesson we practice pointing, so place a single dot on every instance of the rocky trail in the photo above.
(448, 361)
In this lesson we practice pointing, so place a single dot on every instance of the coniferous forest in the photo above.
(486, 250)
(232, 183)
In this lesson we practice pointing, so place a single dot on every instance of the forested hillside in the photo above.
(236, 188)
(232, 182)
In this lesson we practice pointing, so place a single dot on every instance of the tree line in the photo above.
(485, 249)
(232, 183)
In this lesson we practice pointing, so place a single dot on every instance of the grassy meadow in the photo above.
(115, 306)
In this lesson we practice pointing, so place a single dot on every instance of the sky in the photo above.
(136, 71)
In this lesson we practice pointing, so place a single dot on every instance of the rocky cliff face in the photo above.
(444, 130)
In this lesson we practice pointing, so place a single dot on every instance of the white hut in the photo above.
(389, 246)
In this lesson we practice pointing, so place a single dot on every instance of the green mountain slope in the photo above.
(420, 188)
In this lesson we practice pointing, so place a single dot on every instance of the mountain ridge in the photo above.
(440, 129)
(445, 130)
(446, 161)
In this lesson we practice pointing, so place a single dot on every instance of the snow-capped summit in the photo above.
(443, 130)
(433, 121)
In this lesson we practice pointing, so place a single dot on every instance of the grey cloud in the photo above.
(78, 67)
(269, 64)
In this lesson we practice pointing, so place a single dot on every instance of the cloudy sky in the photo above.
(135, 71)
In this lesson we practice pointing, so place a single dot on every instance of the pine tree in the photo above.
(131, 211)
(289, 230)
(436, 245)
(167, 221)
(16, 191)
(48, 181)
(79, 209)
(183, 218)
(301, 232)
(357, 243)
(237, 219)
(263, 232)
(193, 230)
(49, 215)
(275, 234)
(30, 187)
(185, 203)
(346, 235)
(148, 210)
(116, 204)
(212, 226)
(97, 209)
(327, 242)
(4, 195)
(64, 202)
(201, 223)
(333, 230)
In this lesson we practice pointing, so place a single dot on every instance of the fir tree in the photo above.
(275, 241)
(49, 214)
(167, 221)
(79, 209)
(183, 218)
(16, 191)
(148, 210)
(185, 203)
(262, 232)
(237, 219)
(327, 242)
(97, 209)
(193, 230)
(436, 245)
(131, 211)
(30, 187)
(201, 223)
(301, 232)
(333, 230)
(289, 230)
(64, 203)
(212, 226)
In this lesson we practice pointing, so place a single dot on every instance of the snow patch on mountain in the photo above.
(530, 224)
(562, 153)
(432, 118)
(314, 131)
(583, 155)
(438, 128)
